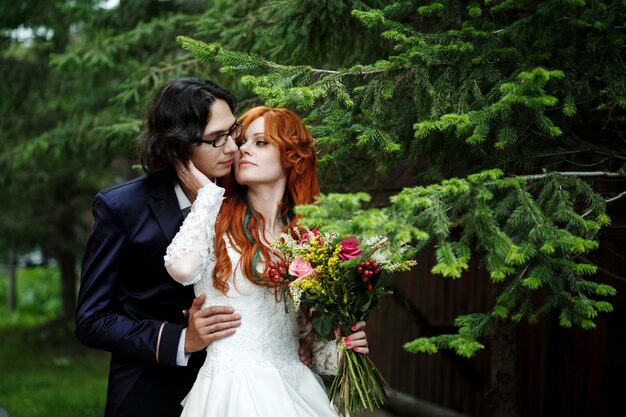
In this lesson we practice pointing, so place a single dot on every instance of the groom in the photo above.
(128, 304)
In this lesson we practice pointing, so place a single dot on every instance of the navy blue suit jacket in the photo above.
(126, 296)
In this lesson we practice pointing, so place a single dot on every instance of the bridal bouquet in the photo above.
(338, 281)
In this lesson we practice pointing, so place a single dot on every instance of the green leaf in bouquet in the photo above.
(365, 301)
(322, 324)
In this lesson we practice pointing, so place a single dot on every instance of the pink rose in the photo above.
(305, 237)
(349, 248)
(301, 268)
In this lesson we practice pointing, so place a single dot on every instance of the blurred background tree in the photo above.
(68, 121)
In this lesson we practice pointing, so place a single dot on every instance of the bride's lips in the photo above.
(228, 163)
(245, 163)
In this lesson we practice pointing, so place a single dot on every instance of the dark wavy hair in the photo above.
(176, 121)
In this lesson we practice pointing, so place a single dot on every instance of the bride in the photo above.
(256, 371)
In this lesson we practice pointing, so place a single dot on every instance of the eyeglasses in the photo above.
(220, 140)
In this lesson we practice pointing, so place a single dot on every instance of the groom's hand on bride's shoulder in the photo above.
(206, 325)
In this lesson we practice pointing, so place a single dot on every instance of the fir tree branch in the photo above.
(590, 26)
(610, 200)
(617, 197)
(613, 155)
(609, 273)
(347, 72)
(206, 52)
(574, 174)
(592, 164)
(168, 68)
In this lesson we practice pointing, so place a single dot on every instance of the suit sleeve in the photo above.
(98, 322)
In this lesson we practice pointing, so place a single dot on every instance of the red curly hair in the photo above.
(286, 130)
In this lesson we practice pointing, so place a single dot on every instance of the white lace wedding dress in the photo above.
(256, 371)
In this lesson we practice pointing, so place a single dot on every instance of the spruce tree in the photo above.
(508, 85)
(515, 108)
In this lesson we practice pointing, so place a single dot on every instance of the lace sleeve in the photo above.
(190, 255)
(325, 357)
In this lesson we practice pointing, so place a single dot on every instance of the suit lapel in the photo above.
(166, 209)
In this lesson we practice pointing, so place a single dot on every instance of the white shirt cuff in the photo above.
(181, 357)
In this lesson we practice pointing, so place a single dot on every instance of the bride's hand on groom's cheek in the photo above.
(190, 176)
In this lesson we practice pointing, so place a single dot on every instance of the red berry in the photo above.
(377, 271)
(272, 265)
(276, 278)
(281, 270)
(370, 288)
(359, 269)
(365, 279)
(280, 263)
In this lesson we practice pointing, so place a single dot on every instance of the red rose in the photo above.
(349, 248)
(305, 237)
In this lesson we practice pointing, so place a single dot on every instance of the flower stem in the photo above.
(358, 385)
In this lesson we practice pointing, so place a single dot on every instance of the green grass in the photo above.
(44, 370)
